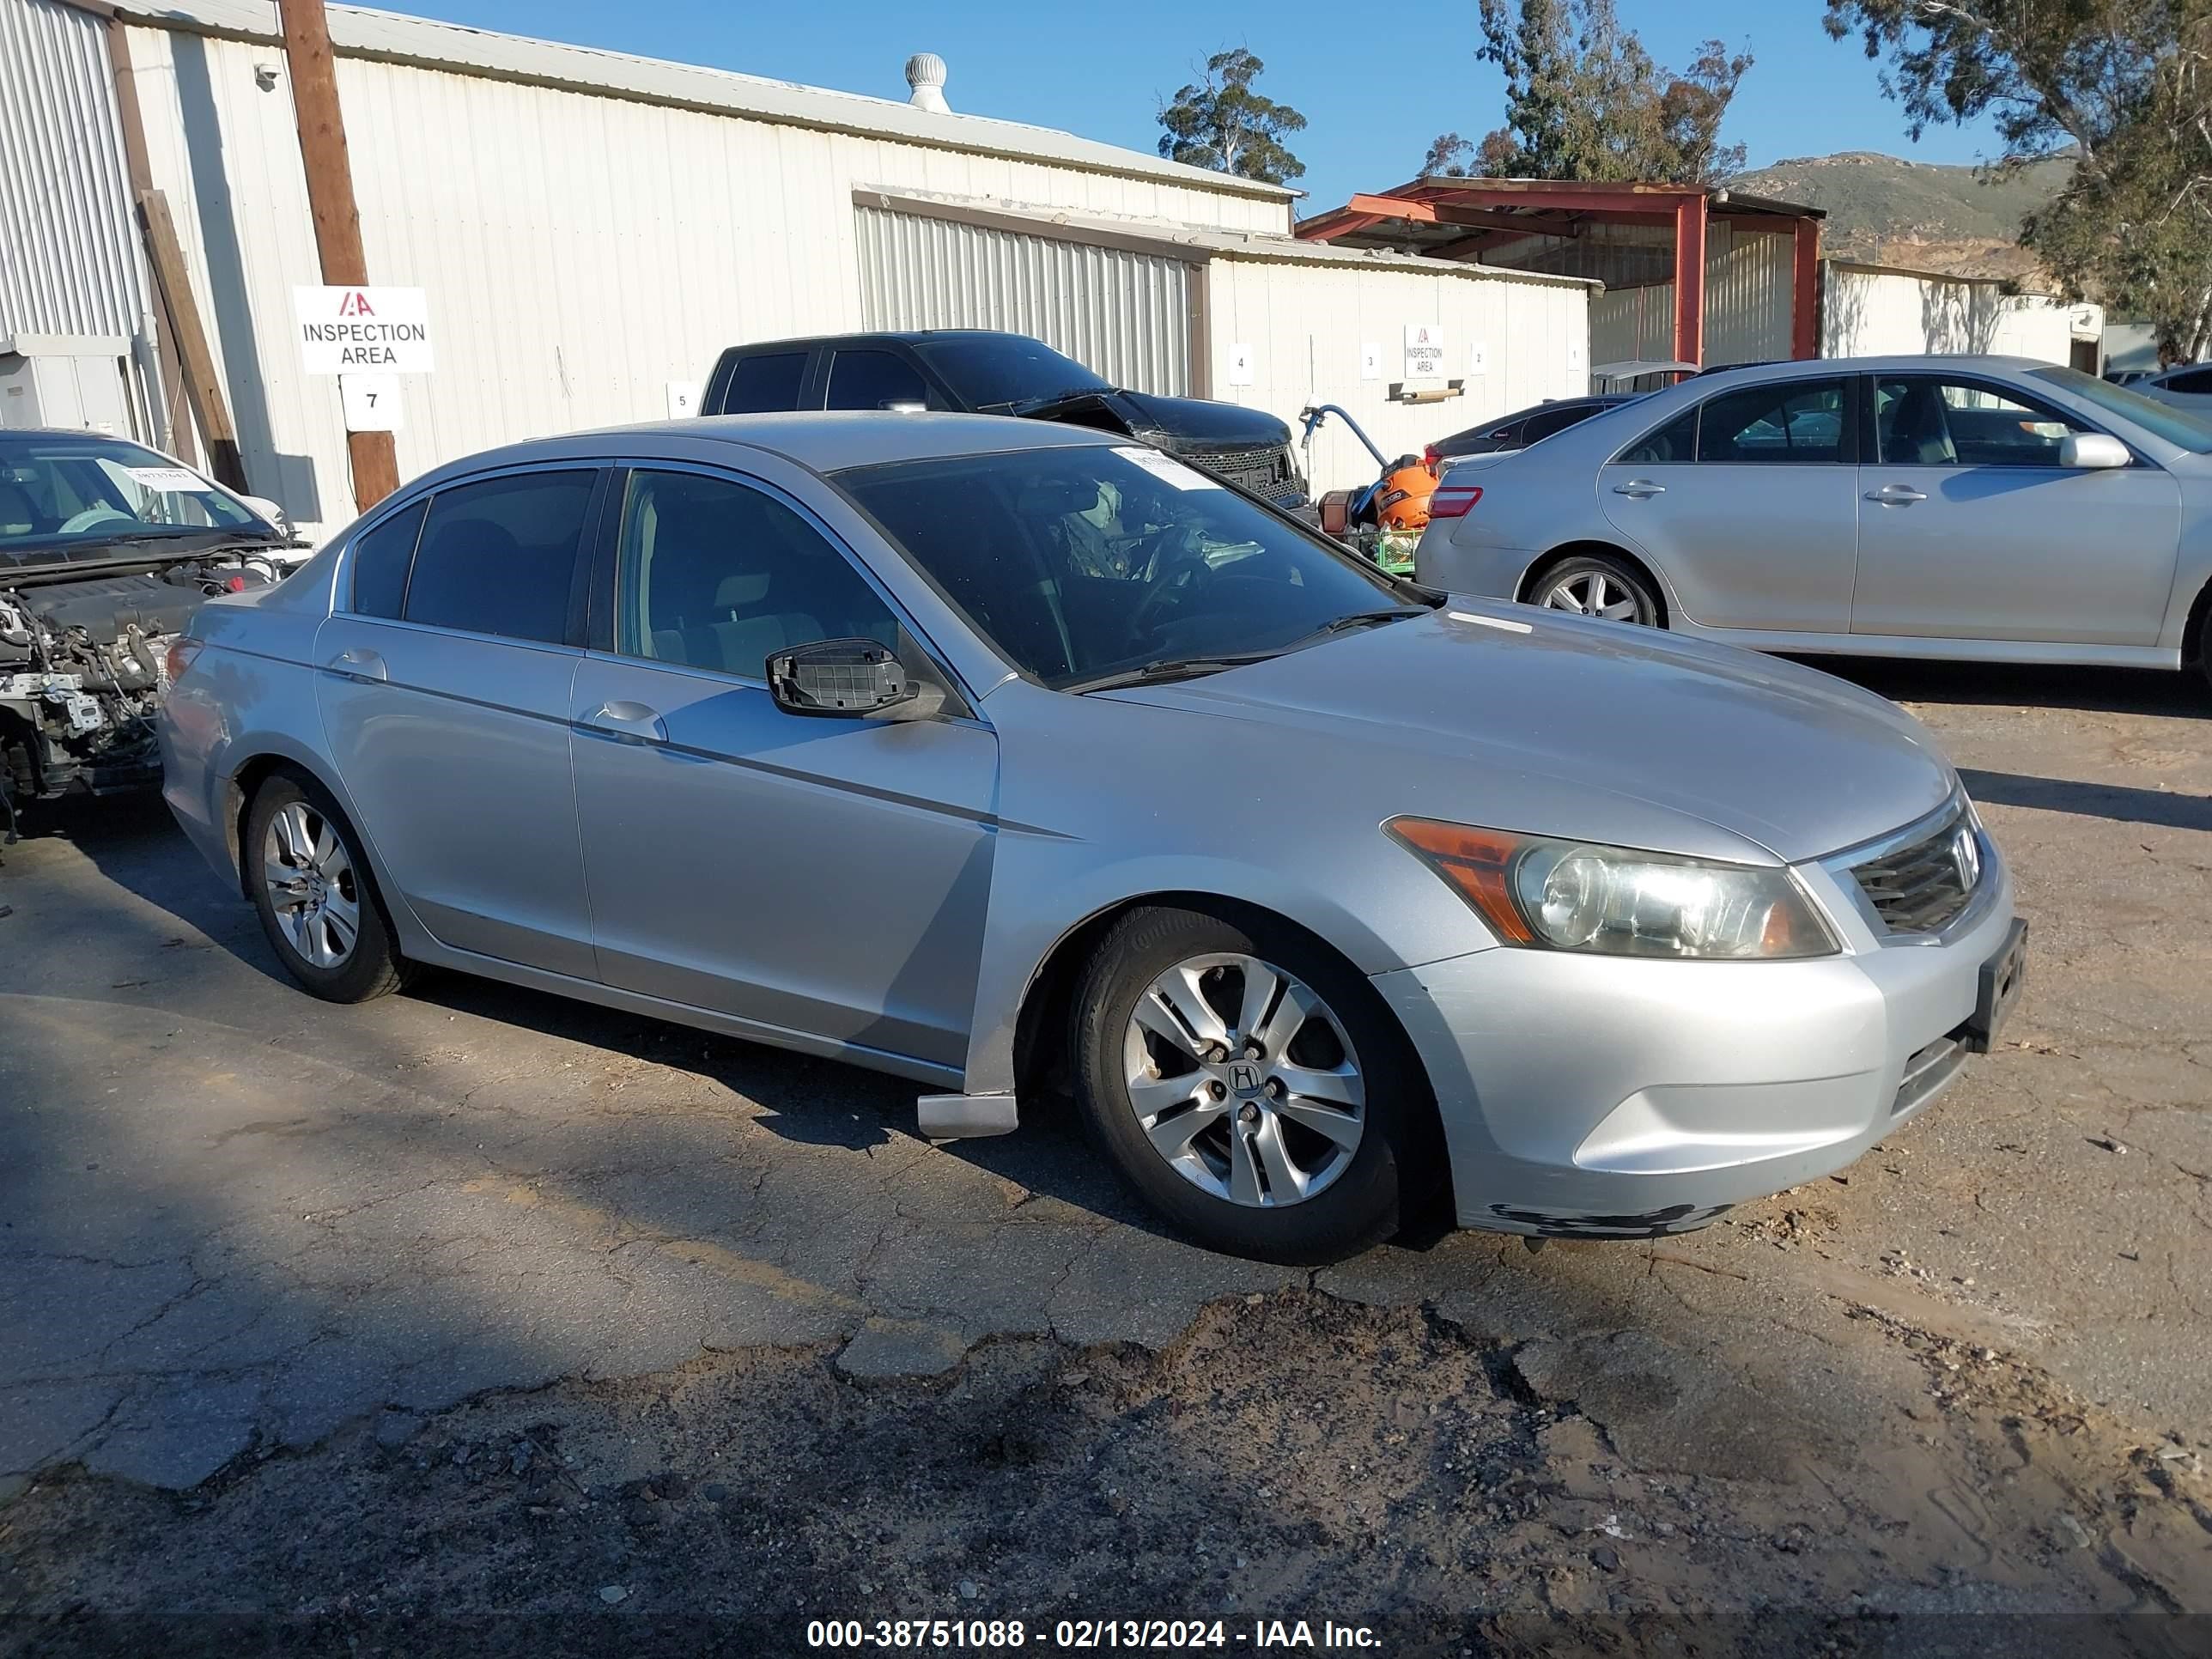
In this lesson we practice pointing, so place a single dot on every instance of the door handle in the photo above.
(1639, 488)
(358, 664)
(1897, 494)
(626, 722)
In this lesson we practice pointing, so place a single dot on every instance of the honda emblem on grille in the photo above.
(1966, 853)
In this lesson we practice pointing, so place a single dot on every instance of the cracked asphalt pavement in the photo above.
(300, 1264)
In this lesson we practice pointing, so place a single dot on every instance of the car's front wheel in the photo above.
(314, 894)
(1598, 584)
(1251, 1087)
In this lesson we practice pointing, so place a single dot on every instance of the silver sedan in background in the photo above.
(1982, 508)
(1016, 759)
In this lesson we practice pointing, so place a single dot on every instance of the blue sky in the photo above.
(1374, 92)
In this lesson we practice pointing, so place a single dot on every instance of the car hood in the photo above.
(1502, 716)
(1188, 423)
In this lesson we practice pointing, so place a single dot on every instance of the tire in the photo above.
(1598, 584)
(1218, 1148)
(2200, 644)
(294, 826)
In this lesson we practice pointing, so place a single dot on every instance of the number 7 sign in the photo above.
(371, 403)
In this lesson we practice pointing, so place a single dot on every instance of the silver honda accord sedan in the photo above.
(1987, 508)
(1019, 759)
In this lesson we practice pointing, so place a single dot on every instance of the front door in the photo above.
(1970, 529)
(1746, 504)
(815, 875)
(445, 687)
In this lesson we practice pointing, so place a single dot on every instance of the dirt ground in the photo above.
(1957, 1402)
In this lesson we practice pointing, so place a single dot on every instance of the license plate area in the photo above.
(2002, 975)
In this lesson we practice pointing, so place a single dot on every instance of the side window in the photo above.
(380, 559)
(1675, 442)
(766, 384)
(1792, 424)
(2198, 382)
(717, 575)
(1924, 421)
(874, 379)
(499, 557)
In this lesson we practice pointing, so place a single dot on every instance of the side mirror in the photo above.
(268, 509)
(855, 679)
(2092, 450)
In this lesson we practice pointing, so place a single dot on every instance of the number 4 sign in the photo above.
(371, 403)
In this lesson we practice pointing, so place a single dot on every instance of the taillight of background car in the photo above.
(1452, 501)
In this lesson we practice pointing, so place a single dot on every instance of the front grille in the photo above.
(1925, 885)
(1267, 471)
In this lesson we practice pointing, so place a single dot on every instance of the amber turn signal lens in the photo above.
(1477, 862)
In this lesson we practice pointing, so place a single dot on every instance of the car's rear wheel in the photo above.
(314, 894)
(1250, 1086)
(1598, 584)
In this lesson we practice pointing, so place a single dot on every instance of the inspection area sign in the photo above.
(362, 330)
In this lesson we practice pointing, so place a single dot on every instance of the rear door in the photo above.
(766, 382)
(1969, 529)
(1748, 505)
(444, 695)
(822, 876)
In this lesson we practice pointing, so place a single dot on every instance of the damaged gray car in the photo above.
(106, 548)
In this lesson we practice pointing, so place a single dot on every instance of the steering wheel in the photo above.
(98, 514)
(1177, 572)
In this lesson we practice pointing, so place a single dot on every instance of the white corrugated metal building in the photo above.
(591, 228)
(1869, 310)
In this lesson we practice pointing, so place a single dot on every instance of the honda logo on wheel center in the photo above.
(1244, 1078)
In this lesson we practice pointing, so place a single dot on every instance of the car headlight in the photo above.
(1615, 900)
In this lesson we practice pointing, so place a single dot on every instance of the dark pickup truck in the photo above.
(979, 371)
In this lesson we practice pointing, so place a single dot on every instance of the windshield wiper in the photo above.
(1363, 619)
(1171, 668)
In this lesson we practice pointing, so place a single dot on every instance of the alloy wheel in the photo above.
(1243, 1081)
(1598, 593)
(312, 885)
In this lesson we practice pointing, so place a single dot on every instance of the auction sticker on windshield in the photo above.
(1166, 469)
(168, 480)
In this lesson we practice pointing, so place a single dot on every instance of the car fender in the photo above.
(1040, 900)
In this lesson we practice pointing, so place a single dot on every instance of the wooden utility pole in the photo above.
(330, 197)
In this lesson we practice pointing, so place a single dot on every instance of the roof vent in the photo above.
(925, 73)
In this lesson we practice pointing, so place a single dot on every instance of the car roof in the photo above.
(821, 439)
(1901, 362)
(909, 336)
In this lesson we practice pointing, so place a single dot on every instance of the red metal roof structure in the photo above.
(1464, 219)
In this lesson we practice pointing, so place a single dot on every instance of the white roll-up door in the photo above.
(1125, 315)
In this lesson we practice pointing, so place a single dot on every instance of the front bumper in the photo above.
(1587, 1096)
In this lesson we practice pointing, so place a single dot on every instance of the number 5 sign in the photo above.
(371, 403)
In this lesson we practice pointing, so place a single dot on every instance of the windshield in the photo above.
(1084, 562)
(2190, 432)
(68, 488)
(987, 369)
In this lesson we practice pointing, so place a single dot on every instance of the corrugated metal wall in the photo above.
(1872, 313)
(1123, 314)
(1749, 277)
(1306, 325)
(69, 260)
(1749, 290)
(580, 252)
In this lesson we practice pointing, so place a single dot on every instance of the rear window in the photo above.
(499, 557)
(766, 384)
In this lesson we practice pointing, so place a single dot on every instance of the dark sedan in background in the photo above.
(1523, 426)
